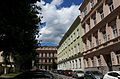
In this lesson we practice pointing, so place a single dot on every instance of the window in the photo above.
(84, 29)
(97, 41)
(104, 36)
(111, 7)
(78, 50)
(74, 49)
(114, 29)
(99, 61)
(94, 19)
(118, 56)
(45, 54)
(49, 60)
(71, 38)
(96, 38)
(92, 3)
(45, 60)
(49, 54)
(85, 11)
(80, 62)
(89, 26)
(90, 41)
(73, 64)
(101, 14)
(77, 32)
(76, 64)
(86, 47)
(110, 4)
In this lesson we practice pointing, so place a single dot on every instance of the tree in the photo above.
(18, 28)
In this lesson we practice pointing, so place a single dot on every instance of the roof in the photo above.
(85, 2)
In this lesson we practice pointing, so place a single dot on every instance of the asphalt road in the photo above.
(57, 76)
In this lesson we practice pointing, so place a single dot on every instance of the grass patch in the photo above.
(11, 75)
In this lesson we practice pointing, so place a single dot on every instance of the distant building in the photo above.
(47, 57)
(100, 20)
(70, 48)
(6, 68)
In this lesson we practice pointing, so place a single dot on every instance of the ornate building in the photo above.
(100, 20)
(47, 57)
(70, 48)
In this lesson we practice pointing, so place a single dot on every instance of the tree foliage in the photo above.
(18, 27)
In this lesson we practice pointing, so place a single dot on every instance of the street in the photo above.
(58, 76)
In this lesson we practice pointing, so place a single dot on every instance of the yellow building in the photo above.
(69, 52)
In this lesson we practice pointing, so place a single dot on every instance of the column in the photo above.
(90, 62)
(108, 31)
(91, 23)
(103, 62)
(79, 63)
(98, 17)
(96, 61)
(106, 9)
(85, 63)
(86, 27)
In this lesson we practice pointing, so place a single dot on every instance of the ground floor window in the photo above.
(118, 56)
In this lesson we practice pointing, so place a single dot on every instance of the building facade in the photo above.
(70, 49)
(47, 57)
(100, 20)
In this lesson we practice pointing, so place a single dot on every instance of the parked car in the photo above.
(112, 75)
(93, 75)
(78, 74)
(60, 72)
(68, 72)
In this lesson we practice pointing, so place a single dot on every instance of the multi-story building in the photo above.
(100, 20)
(47, 57)
(70, 47)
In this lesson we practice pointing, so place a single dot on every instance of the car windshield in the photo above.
(96, 73)
(79, 71)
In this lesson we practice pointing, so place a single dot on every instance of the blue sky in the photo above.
(58, 16)
(67, 3)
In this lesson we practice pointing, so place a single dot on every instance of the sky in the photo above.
(58, 16)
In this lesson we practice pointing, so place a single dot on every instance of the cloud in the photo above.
(56, 2)
(57, 20)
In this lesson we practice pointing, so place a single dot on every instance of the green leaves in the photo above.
(18, 27)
